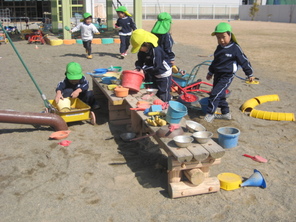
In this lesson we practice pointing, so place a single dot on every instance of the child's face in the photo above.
(74, 82)
(145, 47)
(121, 14)
(223, 38)
(88, 20)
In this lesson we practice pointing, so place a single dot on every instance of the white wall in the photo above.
(272, 13)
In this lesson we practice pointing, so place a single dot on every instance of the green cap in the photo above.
(163, 24)
(74, 71)
(224, 27)
(124, 10)
(86, 15)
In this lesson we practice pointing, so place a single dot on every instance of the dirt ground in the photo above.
(101, 178)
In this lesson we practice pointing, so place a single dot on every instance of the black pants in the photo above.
(218, 94)
(86, 97)
(164, 87)
(124, 43)
(87, 46)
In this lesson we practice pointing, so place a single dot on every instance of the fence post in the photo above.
(229, 12)
(197, 11)
(180, 11)
(213, 7)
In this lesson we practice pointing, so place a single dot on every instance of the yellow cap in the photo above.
(139, 36)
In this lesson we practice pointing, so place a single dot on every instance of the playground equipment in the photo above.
(36, 36)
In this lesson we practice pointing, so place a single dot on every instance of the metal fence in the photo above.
(189, 11)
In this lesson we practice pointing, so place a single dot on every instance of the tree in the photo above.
(254, 10)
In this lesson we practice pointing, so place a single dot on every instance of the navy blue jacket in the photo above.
(154, 62)
(127, 24)
(65, 84)
(166, 42)
(228, 58)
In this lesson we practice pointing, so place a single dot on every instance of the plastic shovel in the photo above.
(257, 158)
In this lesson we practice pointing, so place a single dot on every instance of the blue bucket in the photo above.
(228, 137)
(204, 104)
(176, 112)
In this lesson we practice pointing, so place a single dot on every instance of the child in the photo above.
(75, 85)
(87, 30)
(161, 30)
(153, 62)
(125, 25)
(227, 57)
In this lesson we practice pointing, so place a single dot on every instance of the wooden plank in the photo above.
(215, 150)
(174, 164)
(184, 189)
(118, 114)
(181, 154)
(108, 93)
(198, 151)
(120, 122)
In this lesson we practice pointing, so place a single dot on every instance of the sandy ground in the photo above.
(100, 178)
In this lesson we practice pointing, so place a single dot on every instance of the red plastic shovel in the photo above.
(257, 158)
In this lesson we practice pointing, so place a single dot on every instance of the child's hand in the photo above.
(75, 93)
(58, 96)
(209, 77)
(252, 78)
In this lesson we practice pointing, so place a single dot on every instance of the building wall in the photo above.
(272, 13)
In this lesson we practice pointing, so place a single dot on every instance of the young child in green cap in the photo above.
(125, 24)
(75, 85)
(162, 30)
(87, 30)
(227, 57)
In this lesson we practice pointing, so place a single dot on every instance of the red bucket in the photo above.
(132, 80)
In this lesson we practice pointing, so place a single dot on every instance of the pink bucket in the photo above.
(132, 80)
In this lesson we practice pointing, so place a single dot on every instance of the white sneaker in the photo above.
(209, 118)
(223, 116)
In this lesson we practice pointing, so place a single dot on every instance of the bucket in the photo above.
(204, 104)
(176, 112)
(132, 80)
(228, 137)
(64, 105)
(121, 92)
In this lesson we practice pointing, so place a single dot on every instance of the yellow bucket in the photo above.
(229, 181)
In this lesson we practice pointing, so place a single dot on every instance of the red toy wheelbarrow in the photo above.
(186, 85)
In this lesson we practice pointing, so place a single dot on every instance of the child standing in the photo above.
(75, 85)
(87, 30)
(153, 62)
(227, 57)
(161, 30)
(125, 25)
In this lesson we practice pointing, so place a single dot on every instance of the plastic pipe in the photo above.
(272, 115)
(49, 119)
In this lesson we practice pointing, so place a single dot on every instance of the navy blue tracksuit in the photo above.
(166, 42)
(157, 68)
(225, 64)
(127, 26)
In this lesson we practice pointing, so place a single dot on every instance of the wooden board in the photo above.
(198, 151)
(184, 189)
(215, 150)
(174, 164)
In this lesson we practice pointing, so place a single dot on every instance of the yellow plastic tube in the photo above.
(272, 115)
(267, 98)
(249, 105)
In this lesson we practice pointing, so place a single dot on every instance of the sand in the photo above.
(101, 178)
